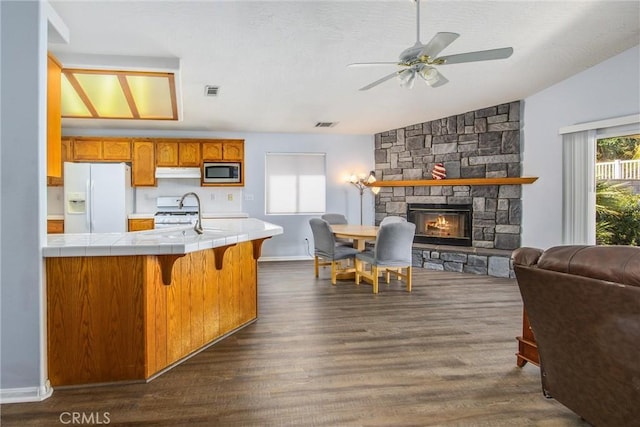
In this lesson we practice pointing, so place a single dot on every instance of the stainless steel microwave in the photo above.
(221, 172)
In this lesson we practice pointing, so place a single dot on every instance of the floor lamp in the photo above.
(360, 182)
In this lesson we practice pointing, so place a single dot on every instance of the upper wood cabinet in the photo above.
(87, 149)
(189, 153)
(212, 150)
(65, 155)
(224, 149)
(184, 153)
(54, 118)
(143, 171)
(145, 154)
(116, 150)
(233, 150)
(166, 153)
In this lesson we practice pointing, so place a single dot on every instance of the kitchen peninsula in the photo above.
(128, 306)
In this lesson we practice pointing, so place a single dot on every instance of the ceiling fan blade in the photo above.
(367, 64)
(437, 44)
(481, 55)
(382, 80)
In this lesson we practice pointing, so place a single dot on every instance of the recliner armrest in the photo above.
(526, 256)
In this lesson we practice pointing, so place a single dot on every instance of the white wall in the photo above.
(607, 90)
(345, 154)
(23, 65)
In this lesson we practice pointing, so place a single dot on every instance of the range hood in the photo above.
(178, 173)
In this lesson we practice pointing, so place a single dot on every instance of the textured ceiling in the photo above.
(282, 65)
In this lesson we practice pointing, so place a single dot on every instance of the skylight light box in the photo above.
(120, 87)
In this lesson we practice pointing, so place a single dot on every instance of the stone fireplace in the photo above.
(441, 224)
(478, 144)
(473, 146)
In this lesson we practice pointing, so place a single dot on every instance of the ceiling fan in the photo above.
(421, 59)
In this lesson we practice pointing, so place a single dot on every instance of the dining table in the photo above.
(360, 234)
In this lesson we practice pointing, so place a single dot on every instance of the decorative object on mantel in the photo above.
(456, 181)
(439, 172)
(362, 181)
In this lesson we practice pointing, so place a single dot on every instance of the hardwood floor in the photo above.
(323, 355)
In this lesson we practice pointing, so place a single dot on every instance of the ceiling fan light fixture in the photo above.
(407, 77)
(430, 75)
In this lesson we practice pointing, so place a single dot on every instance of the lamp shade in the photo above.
(430, 75)
(407, 77)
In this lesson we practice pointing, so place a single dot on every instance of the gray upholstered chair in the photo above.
(338, 218)
(391, 254)
(324, 243)
(391, 219)
(335, 218)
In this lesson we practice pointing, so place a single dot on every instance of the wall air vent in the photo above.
(326, 124)
(211, 90)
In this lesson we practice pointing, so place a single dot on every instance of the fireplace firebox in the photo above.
(442, 224)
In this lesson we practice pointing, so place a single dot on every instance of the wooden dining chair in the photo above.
(326, 252)
(391, 254)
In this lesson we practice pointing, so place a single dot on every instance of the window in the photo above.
(295, 183)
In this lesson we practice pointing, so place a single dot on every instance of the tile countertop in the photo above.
(205, 215)
(178, 240)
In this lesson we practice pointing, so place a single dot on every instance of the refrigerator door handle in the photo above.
(87, 209)
(93, 189)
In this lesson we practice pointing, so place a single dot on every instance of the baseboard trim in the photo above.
(286, 258)
(25, 394)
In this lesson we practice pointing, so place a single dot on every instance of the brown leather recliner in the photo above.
(583, 304)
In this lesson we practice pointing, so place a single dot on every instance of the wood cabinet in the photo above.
(86, 149)
(143, 162)
(54, 117)
(140, 224)
(527, 347)
(166, 153)
(176, 153)
(127, 311)
(147, 154)
(55, 226)
(189, 154)
(116, 150)
(233, 150)
(224, 149)
(212, 150)
(65, 153)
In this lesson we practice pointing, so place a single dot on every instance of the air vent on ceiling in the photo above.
(211, 90)
(326, 124)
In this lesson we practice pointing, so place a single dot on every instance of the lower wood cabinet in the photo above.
(141, 224)
(118, 321)
(55, 226)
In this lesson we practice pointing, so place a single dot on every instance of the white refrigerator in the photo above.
(97, 197)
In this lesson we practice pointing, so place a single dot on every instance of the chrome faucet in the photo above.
(198, 227)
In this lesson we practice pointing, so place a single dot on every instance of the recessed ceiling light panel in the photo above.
(107, 94)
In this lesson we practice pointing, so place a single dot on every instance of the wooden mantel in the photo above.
(455, 181)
